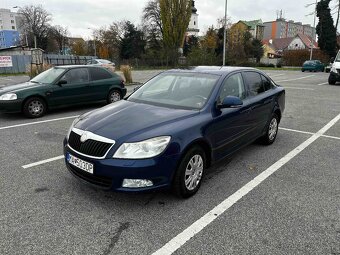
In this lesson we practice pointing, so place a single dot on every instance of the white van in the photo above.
(334, 74)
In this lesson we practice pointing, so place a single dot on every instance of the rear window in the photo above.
(99, 74)
(254, 82)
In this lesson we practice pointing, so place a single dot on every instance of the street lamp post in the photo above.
(312, 44)
(94, 43)
(225, 32)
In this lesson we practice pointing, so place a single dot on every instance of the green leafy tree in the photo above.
(325, 28)
(189, 44)
(132, 43)
(175, 16)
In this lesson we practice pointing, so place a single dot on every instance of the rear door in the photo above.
(261, 100)
(76, 90)
(101, 81)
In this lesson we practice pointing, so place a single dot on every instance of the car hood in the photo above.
(18, 87)
(125, 119)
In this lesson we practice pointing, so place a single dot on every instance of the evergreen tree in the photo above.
(257, 48)
(133, 42)
(325, 28)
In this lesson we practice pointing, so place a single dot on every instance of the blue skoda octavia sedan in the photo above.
(169, 131)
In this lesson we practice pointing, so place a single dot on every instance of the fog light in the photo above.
(136, 183)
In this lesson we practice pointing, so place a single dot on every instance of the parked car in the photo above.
(170, 130)
(313, 66)
(104, 63)
(61, 87)
(334, 74)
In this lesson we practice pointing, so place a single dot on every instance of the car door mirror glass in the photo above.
(230, 102)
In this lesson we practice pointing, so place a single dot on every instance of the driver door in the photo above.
(75, 90)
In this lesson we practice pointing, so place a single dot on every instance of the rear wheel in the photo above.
(272, 130)
(34, 107)
(114, 96)
(188, 177)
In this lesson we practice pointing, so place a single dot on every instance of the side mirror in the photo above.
(62, 82)
(230, 102)
(332, 60)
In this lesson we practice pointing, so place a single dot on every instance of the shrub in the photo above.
(33, 70)
(297, 57)
(126, 69)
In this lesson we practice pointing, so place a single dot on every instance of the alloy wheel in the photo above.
(115, 96)
(35, 108)
(194, 172)
(272, 129)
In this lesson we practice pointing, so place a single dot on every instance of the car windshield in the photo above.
(177, 90)
(48, 76)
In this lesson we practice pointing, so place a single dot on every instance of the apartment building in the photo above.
(281, 28)
(9, 34)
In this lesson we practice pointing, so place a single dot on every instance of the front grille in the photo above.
(90, 147)
(94, 179)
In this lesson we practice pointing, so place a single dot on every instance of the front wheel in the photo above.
(331, 81)
(34, 107)
(188, 177)
(272, 130)
(114, 96)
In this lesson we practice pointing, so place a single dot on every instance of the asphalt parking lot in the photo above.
(281, 199)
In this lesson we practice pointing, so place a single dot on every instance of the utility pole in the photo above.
(225, 32)
(314, 29)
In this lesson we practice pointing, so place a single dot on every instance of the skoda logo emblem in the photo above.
(84, 137)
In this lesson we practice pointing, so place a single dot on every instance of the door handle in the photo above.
(48, 93)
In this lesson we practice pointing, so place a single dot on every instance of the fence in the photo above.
(20, 63)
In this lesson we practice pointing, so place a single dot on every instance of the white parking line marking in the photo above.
(276, 75)
(325, 83)
(38, 122)
(304, 77)
(298, 88)
(308, 133)
(297, 131)
(179, 240)
(42, 162)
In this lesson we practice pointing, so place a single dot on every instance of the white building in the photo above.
(9, 35)
(193, 25)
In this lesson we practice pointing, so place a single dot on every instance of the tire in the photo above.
(34, 107)
(182, 186)
(114, 96)
(272, 130)
(302, 70)
(331, 81)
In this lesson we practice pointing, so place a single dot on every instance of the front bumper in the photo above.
(109, 173)
(11, 106)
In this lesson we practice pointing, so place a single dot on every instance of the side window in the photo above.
(99, 74)
(254, 82)
(78, 75)
(233, 86)
(266, 83)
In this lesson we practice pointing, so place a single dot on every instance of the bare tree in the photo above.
(35, 23)
(152, 15)
(60, 35)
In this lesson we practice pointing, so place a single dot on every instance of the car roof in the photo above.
(217, 70)
(74, 66)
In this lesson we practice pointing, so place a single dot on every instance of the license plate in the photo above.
(79, 163)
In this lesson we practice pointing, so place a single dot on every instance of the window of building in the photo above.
(13, 27)
(12, 21)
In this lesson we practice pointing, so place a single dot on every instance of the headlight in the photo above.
(144, 149)
(8, 97)
(333, 69)
(73, 123)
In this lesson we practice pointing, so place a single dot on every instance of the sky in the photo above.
(80, 15)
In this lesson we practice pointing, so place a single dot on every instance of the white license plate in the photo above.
(81, 164)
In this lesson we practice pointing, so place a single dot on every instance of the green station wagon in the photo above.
(61, 87)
